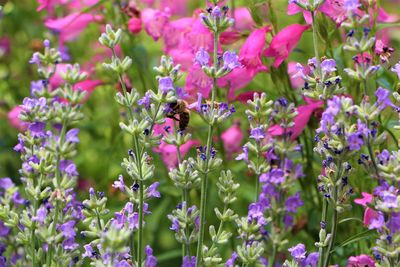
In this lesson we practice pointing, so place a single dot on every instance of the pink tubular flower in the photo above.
(370, 215)
(177, 7)
(72, 25)
(360, 261)
(366, 199)
(301, 120)
(134, 25)
(13, 119)
(294, 9)
(155, 21)
(384, 17)
(284, 42)
(232, 139)
(250, 56)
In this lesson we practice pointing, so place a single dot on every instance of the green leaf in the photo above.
(351, 219)
(363, 235)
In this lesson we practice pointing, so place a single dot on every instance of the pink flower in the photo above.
(294, 9)
(134, 25)
(360, 261)
(369, 216)
(72, 25)
(232, 139)
(384, 17)
(284, 42)
(177, 7)
(14, 120)
(295, 80)
(155, 21)
(168, 152)
(250, 56)
(198, 82)
(301, 120)
(366, 199)
(243, 19)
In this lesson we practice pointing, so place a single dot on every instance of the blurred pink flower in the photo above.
(369, 216)
(154, 21)
(71, 4)
(72, 25)
(5, 46)
(296, 82)
(360, 261)
(168, 152)
(334, 9)
(284, 42)
(243, 19)
(198, 82)
(232, 139)
(384, 17)
(301, 120)
(250, 56)
(177, 7)
(13, 119)
(134, 25)
(367, 198)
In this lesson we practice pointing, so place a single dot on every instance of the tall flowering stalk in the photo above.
(216, 20)
(45, 224)
(144, 114)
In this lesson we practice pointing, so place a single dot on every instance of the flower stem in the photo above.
(58, 184)
(323, 219)
(315, 40)
(203, 193)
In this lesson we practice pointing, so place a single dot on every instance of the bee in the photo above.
(179, 108)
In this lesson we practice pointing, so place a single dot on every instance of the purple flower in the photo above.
(396, 69)
(36, 129)
(189, 261)
(128, 207)
(181, 93)
(6, 183)
(119, 183)
(145, 101)
(165, 84)
(17, 199)
(293, 202)
(70, 244)
(133, 221)
(298, 252)
(274, 176)
(88, 251)
(35, 59)
(72, 136)
(245, 155)
(152, 190)
(231, 261)
(175, 226)
(151, 261)
(298, 173)
(384, 157)
(119, 220)
(312, 260)
(202, 57)
(216, 12)
(36, 87)
(68, 167)
(389, 200)
(231, 60)
(377, 222)
(257, 134)
(383, 98)
(256, 213)
(328, 66)
(288, 221)
(67, 229)
(4, 230)
(355, 141)
(40, 215)
(46, 43)
(351, 5)
(122, 263)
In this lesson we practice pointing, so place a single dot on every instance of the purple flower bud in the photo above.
(257, 134)
(119, 183)
(67, 229)
(145, 101)
(35, 59)
(189, 261)
(351, 5)
(72, 136)
(202, 57)
(328, 66)
(165, 84)
(231, 60)
(151, 261)
(46, 43)
(152, 191)
(298, 252)
(6, 183)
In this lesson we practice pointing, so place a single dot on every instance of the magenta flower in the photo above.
(232, 139)
(284, 42)
(361, 260)
(300, 121)
(155, 21)
(135, 25)
(384, 17)
(14, 120)
(72, 25)
(366, 199)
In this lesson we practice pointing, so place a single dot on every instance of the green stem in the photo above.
(203, 193)
(58, 184)
(315, 40)
(323, 219)
(271, 261)
(141, 199)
